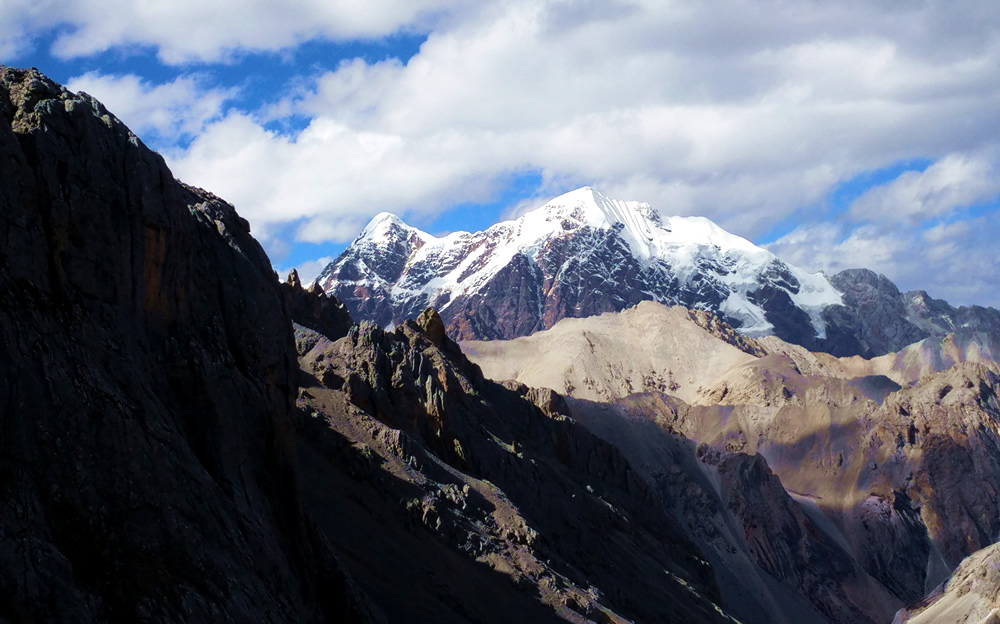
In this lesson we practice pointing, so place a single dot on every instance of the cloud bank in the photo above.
(751, 114)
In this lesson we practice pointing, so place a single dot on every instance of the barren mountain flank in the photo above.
(893, 459)
(647, 348)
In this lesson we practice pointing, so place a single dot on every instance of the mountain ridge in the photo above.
(583, 254)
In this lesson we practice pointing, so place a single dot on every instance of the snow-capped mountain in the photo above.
(579, 255)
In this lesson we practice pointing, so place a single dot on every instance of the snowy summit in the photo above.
(578, 255)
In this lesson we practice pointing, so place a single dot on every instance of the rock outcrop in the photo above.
(477, 499)
(148, 384)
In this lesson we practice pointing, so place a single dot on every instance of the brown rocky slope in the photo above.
(900, 476)
(479, 500)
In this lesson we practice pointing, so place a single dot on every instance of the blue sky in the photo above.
(843, 134)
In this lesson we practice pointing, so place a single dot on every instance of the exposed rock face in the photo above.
(971, 594)
(504, 498)
(148, 389)
(314, 309)
(876, 311)
(580, 255)
(876, 318)
(938, 318)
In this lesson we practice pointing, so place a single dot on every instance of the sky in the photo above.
(837, 133)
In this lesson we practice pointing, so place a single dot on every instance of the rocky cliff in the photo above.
(148, 385)
(472, 501)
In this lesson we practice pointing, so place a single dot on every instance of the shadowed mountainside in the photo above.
(503, 495)
(185, 439)
(149, 379)
(160, 462)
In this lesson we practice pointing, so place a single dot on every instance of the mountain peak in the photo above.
(647, 233)
(388, 225)
(579, 254)
(588, 207)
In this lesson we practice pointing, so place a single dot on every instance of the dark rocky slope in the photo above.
(147, 386)
(477, 500)
(159, 462)
(464, 472)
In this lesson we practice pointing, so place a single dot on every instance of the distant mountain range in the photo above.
(584, 254)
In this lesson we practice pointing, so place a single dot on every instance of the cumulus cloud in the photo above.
(916, 229)
(953, 182)
(955, 261)
(163, 113)
(183, 31)
(748, 113)
(830, 247)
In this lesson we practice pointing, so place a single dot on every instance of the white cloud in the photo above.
(953, 182)
(21, 19)
(953, 261)
(830, 247)
(743, 113)
(748, 113)
(165, 112)
(183, 31)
